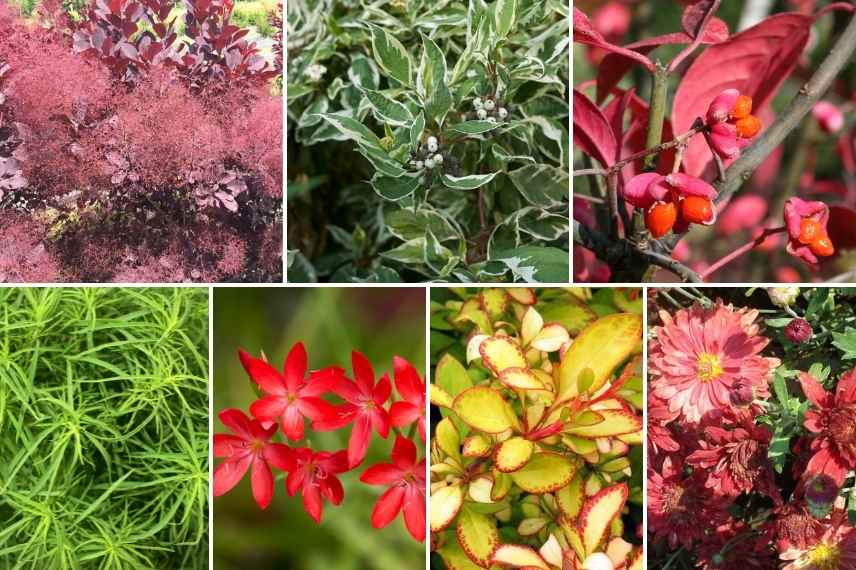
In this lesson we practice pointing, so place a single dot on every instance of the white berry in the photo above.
(420, 165)
(491, 119)
(503, 113)
(432, 144)
(477, 103)
(429, 164)
(489, 105)
(438, 159)
(482, 114)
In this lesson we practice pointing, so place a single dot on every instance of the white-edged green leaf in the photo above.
(394, 188)
(416, 129)
(431, 81)
(353, 129)
(542, 185)
(474, 127)
(391, 56)
(505, 15)
(386, 109)
(470, 182)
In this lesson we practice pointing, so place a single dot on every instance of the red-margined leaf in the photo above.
(592, 132)
(599, 512)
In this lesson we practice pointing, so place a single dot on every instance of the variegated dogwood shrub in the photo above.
(428, 140)
(536, 456)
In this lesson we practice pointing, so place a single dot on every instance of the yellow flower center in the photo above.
(825, 557)
(708, 367)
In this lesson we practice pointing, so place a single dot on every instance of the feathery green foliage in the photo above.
(103, 428)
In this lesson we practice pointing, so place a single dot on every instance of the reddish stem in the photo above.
(741, 250)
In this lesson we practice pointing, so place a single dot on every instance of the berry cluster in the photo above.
(806, 225)
(490, 109)
(290, 397)
(671, 202)
(430, 157)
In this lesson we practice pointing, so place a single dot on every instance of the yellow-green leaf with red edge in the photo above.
(502, 484)
(494, 302)
(638, 561)
(519, 556)
(445, 504)
(571, 313)
(520, 379)
(440, 397)
(455, 558)
(484, 409)
(481, 489)
(472, 312)
(513, 454)
(571, 497)
(522, 295)
(501, 352)
(601, 346)
(545, 472)
(530, 325)
(598, 513)
(448, 439)
(477, 445)
(615, 422)
(477, 536)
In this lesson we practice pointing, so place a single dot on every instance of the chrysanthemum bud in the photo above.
(820, 493)
(798, 331)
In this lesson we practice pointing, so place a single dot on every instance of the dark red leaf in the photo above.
(842, 227)
(592, 132)
(696, 15)
(584, 33)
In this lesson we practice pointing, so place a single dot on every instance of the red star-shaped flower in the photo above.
(315, 476)
(363, 406)
(250, 445)
(290, 395)
(406, 479)
(412, 388)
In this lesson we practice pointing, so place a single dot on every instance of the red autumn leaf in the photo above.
(592, 132)
(695, 16)
(615, 65)
(755, 62)
(584, 33)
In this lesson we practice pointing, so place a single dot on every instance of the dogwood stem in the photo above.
(657, 110)
(741, 250)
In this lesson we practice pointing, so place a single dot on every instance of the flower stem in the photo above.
(741, 250)
(657, 111)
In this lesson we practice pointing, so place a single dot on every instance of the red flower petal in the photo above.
(237, 422)
(323, 381)
(334, 462)
(263, 374)
(317, 409)
(295, 367)
(381, 474)
(280, 456)
(359, 441)
(387, 507)
(382, 391)
(827, 463)
(262, 480)
(347, 390)
(421, 426)
(814, 391)
(269, 407)
(363, 372)
(414, 516)
(331, 488)
(380, 421)
(229, 473)
(404, 413)
(846, 391)
(292, 423)
(227, 445)
(312, 502)
(407, 381)
(294, 481)
(403, 453)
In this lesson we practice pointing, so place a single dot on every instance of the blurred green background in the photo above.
(379, 322)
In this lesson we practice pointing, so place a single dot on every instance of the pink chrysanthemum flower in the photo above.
(735, 546)
(833, 549)
(832, 419)
(736, 459)
(677, 502)
(703, 361)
